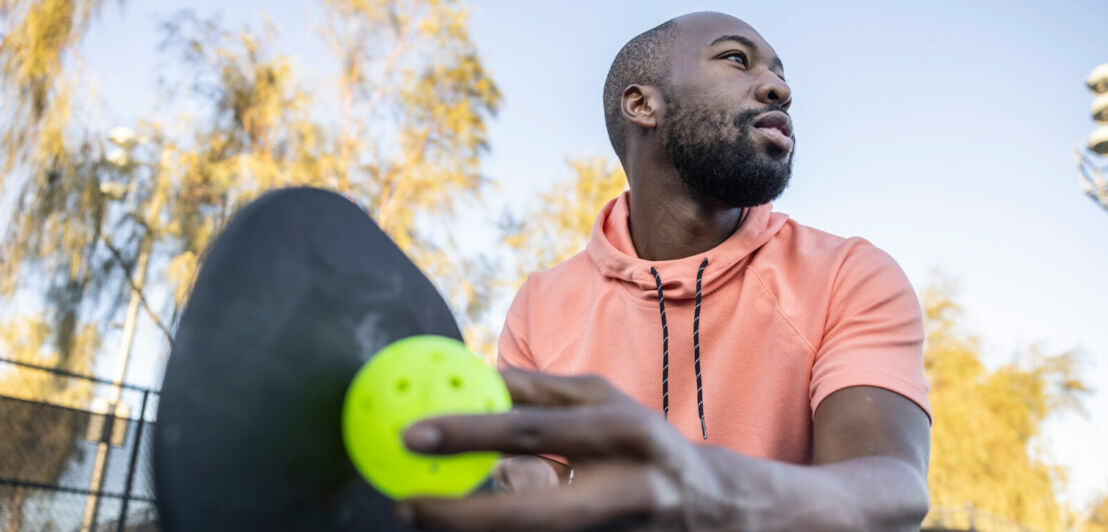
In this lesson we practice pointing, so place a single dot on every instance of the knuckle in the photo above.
(596, 387)
(526, 434)
(634, 434)
(656, 433)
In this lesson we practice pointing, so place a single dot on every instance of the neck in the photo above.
(667, 222)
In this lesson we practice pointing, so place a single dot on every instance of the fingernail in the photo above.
(405, 513)
(422, 437)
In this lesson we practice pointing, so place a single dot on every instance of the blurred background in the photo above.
(957, 136)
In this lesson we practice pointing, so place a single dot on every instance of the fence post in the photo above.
(134, 461)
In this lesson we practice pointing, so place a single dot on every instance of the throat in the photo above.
(671, 231)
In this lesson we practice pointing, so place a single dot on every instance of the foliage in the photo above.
(1096, 519)
(561, 224)
(83, 216)
(985, 449)
(32, 60)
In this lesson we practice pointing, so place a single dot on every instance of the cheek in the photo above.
(722, 109)
(730, 91)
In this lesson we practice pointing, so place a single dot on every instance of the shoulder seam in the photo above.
(777, 308)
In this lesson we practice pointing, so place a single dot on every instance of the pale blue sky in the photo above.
(940, 131)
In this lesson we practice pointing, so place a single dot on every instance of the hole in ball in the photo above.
(433, 467)
(402, 385)
(367, 403)
(437, 356)
(490, 406)
(455, 382)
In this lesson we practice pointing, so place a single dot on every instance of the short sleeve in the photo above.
(874, 334)
(512, 348)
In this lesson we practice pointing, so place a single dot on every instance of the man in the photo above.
(747, 372)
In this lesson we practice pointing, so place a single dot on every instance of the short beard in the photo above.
(716, 157)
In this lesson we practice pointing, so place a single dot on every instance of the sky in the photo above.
(943, 132)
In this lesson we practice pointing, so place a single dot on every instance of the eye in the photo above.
(737, 57)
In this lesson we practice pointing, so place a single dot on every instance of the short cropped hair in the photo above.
(644, 60)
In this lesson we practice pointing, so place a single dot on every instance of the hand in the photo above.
(631, 468)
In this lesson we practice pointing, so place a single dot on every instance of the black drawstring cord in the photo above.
(696, 350)
(665, 345)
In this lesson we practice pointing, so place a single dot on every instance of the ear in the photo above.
(642, 104)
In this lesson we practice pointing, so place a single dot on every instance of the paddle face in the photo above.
(297, 292)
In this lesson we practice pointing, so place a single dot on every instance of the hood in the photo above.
(611, 249)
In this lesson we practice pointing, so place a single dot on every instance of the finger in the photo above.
(585, 433)
(609, 496)
(541, 389)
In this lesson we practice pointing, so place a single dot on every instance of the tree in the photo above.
(985, 451)
(48, 171)
(32, 66)
(408, 67)
(1096, 519)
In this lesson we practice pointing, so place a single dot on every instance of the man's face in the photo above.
(725, 125)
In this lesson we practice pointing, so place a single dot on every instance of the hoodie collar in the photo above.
(612, 250)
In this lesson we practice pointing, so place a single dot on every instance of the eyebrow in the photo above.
(776, 61)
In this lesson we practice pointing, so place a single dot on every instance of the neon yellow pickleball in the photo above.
(409, 380)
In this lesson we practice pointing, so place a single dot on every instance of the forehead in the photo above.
(698, 30)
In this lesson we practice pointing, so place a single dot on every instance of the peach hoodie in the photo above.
(788, 314)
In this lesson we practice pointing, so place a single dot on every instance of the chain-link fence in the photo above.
(69, 459)
(968, 517)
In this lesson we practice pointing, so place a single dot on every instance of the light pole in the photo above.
(125, 140)
(1092, 162)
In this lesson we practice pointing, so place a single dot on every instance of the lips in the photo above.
(776, 120)
(778, 127)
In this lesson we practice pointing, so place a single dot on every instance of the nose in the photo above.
(772, 90)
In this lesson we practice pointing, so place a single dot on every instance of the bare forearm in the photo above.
(867, 493)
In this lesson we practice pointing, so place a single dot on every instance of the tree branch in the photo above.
(131, 282)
